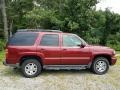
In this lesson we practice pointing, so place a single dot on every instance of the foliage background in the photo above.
(75, 16)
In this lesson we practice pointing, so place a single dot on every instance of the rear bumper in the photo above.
(11, 65)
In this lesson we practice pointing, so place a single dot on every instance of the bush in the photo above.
(114, 41)
(2, 44)
(116, 47)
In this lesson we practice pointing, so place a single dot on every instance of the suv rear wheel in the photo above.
(100, 65)
(31, 68)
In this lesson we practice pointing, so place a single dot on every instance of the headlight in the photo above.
(114, 52)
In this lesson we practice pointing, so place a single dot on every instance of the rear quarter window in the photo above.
(23, 39)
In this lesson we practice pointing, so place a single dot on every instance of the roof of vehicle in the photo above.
(38, 30)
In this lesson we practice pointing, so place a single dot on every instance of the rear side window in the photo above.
(23, 39)
(50, 40)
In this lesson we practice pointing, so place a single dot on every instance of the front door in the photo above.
(72, 53)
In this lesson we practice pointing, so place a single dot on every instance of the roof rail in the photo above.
(37, 30)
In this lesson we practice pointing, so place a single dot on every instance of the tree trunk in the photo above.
(4, 19)
(10, 29)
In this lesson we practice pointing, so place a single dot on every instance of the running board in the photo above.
(68, 67)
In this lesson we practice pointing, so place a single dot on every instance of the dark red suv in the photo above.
(34, 50)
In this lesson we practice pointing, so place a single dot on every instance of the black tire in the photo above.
(36, 70)
(96, 66)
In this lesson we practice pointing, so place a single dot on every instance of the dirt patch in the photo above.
(11, 79)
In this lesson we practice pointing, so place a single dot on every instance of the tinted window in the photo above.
(23, 39)
(71, 40)
(50, 40)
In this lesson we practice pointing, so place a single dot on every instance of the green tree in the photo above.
(76, 16)
(68, 15)
(111, 26)
(15, 10)
(3, 9)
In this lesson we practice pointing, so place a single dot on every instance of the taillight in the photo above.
(6, 51)
(114, 52)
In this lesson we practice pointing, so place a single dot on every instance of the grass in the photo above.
(2, 56)
(118, 59)
(117, 52)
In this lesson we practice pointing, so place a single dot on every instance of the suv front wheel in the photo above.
(31, 68)
(100, 65)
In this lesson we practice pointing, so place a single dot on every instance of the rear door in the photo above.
(49, 46)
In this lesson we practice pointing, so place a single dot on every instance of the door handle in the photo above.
(64, 49)
(42, 49)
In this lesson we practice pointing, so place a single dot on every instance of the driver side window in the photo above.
(71, 41)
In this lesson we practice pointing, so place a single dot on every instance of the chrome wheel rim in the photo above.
(101, 66)
(31, 68)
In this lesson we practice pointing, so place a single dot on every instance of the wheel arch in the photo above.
(23, 58)
(103, 55)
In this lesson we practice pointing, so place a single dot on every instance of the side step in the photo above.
(68, 67)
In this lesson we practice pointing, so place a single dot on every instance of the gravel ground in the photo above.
(11, 79)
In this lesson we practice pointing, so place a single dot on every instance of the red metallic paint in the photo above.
(57, 55)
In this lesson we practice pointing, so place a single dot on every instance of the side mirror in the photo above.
(82, 45)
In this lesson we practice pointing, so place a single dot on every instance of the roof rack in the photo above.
(37, 30)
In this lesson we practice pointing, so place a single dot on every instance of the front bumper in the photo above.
(11, 65)
(113, 61)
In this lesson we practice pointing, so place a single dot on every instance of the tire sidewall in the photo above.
(95, 62)
(31, 61)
